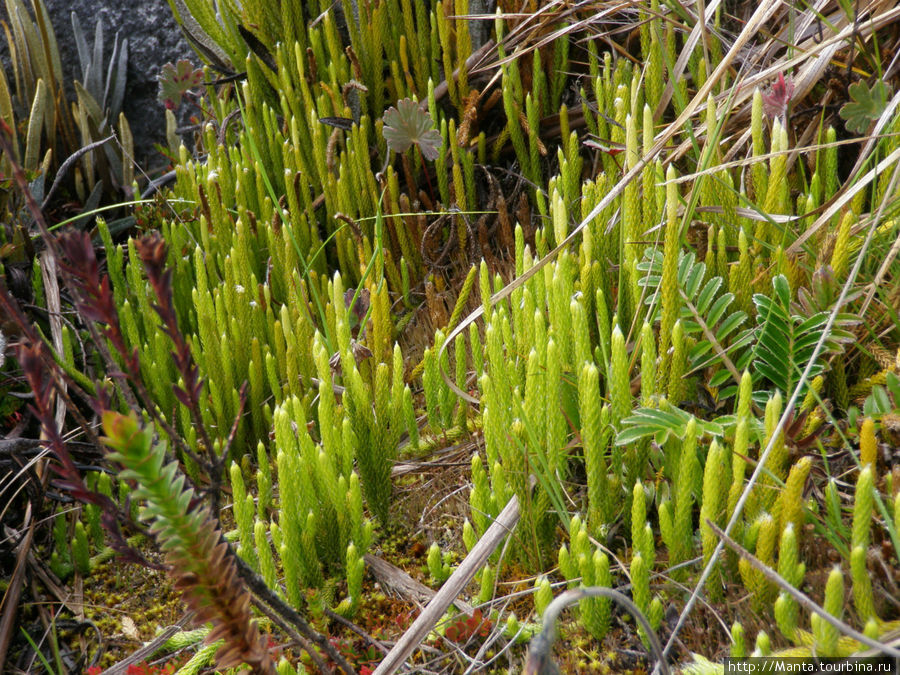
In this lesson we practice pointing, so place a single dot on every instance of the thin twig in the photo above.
(788, 411)
(151, 647)
(435, 609)
(291, 633)
(334, 616)
(802, 599)
(259, 588)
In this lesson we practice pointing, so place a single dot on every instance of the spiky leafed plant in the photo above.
(200, 562)
(69, 144)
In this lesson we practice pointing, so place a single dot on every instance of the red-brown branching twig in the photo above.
(34, 363)
(95, 302)
(153, 252)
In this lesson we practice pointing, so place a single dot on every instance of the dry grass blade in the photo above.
(709, 335)
(843, 199)
(393, 578)
(435, 609)
(879, 276)
(788, 412)
(54, 310)
(812, 60)
(528, 23)
(10, 603)
(11, 446)
(662, 140)
(765, 157)
(150, 648)
(871, 175)
(802, 599)
(682, 62)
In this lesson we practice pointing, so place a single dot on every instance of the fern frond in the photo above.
(785, 340)
(713, 308)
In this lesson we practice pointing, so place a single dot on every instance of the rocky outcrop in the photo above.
(153, 39)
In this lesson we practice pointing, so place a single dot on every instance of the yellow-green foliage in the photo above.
(792, 570)
(826, 635)
(291, 221)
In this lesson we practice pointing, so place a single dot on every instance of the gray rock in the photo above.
(153, 39)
